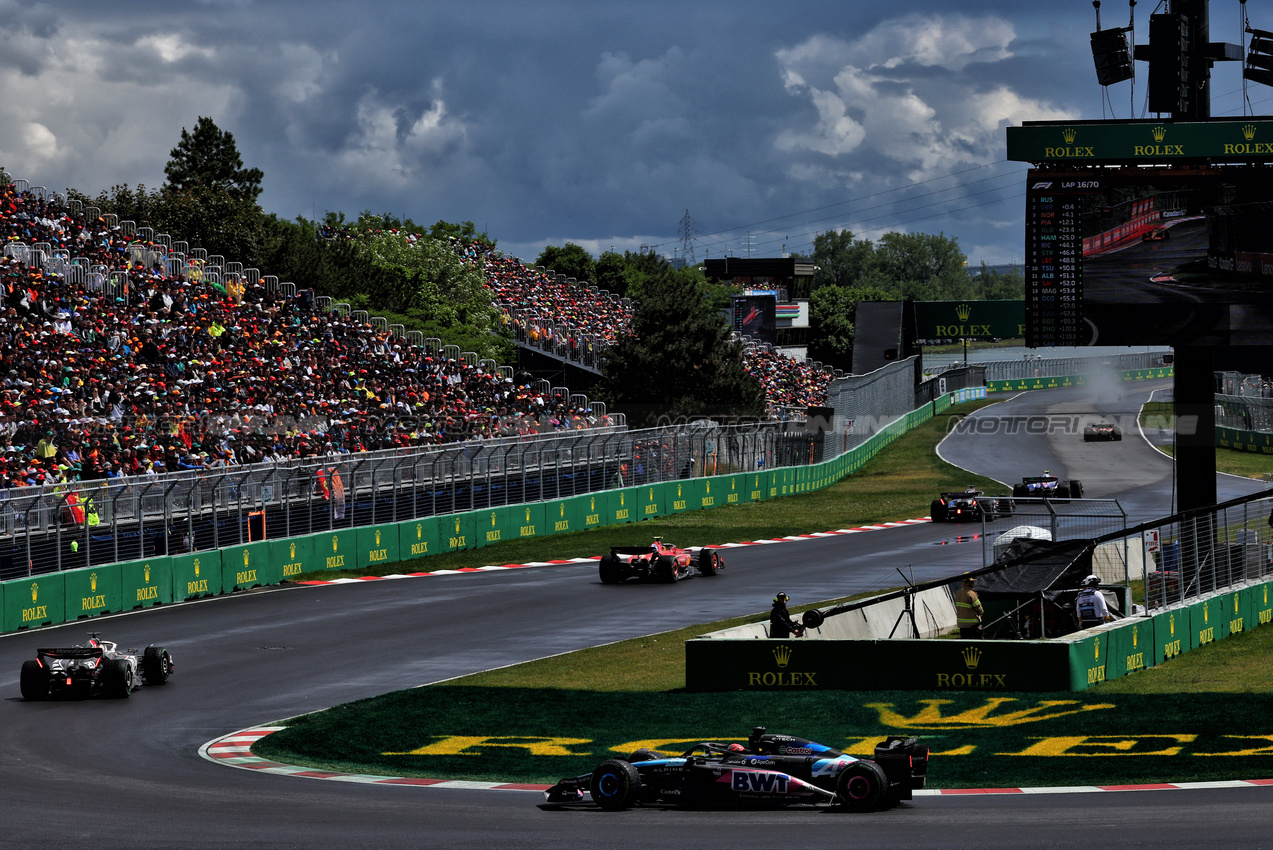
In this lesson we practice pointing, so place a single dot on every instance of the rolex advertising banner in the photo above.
(456, 532)
(337, 549)
(738, 492)
(650, 501)
(1171, 635)
(1143, 141)
(419, 538)
(297, 556)
(1089, 659)
(511, 522)
(1209, 620)
(377, 545)
(945, 321)
(594, 508)
(34, 601)
(249, 565)
(147, 582)
(622, 507)
(197, 574)
(1262, 604)
(714, 492)
(1131, 647)
(93, 590)
(1241, 610)
(713, 664)
(757, 486)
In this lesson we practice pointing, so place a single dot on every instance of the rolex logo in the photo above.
(1069, 135)
(291, 552)
(419, 529)
(528, 515)
(782, 654)
(335, 543)
(457, 524)
(1248, 131)
(92, 581)
(1172, 622)
(972, 657)
(1159, 133)
(377, 537)
(146, 573)
(1135, 636)
(1096, 645)
(592, 504)
(245, 557)
(35, 591)
(963, 311)
(492, 521)
(196, 567)
(1206, 615)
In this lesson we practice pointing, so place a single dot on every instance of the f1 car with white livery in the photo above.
(659, 561)
(96, 668)
(771, 770)
(1048, 485)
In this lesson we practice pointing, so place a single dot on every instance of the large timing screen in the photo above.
(1149, 256)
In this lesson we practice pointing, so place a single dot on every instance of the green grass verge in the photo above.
(1159, 414)
(898, 484)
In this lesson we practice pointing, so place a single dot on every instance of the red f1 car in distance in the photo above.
(659, 561)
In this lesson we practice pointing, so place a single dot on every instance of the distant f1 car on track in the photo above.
(658, 561)
(1047, 485)
(1101, 431)
(95, 668)
(771, 770)
(1155, 234)
(968, 505)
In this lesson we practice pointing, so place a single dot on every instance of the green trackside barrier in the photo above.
(650, 504)
(419, 538)
(1209, 620)
(783, 482)
(36, 601)
(713, 491)
(1074, 380)
(336, 549)
(1246, 441)
(1241, 610)
(562, 516)
(145, 583)
(682, 495)
(377, 544)
(1262, 604)
(622, 507)
(1171, 634)
(93, 590)
(713, 664)
(456, 532)
(196, 574)
(296, 555)
(249, 565)
(739, 493)
(509, 522)
(1089, 659)
(595, 507)
(1131, 648)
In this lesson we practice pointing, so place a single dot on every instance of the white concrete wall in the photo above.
(934, 615)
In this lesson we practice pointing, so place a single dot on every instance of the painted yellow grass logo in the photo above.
(985, 716)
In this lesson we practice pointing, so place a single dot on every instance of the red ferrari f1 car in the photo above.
(658, 561)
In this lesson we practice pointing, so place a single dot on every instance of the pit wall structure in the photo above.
(738, 661)
(71, 595)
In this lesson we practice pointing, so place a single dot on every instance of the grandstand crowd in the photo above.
(174, 372)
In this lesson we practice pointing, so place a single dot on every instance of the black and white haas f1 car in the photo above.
(658, 561)
(970, 504)
(772, 770)
(96, 668)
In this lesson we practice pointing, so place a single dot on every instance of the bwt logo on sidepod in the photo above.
(758, 782)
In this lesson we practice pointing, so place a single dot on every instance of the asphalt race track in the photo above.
(126, 773)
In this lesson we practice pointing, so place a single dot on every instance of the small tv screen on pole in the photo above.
(1149, 256)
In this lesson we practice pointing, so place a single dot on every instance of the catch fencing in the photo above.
(1058, 367)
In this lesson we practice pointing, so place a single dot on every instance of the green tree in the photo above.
(612, 273)
(992, 284)
(924, 266)
(841, 259)
(465, 232)
(209, 158)
(677, 362)
(570, 260)
(832, 321)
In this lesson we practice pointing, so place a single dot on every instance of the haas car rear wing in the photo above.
(72, 652)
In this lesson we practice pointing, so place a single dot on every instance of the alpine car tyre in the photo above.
(35, 681)
(615, 785)
(610, 570)
(115, 678)
(156, 665)
(862, 787)
(937, 511)
(1076, 489)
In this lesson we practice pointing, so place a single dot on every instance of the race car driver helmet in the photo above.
(736, 748)
(781, 597)
(1092, 581)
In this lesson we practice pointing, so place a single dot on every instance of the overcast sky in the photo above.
(597, 123)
